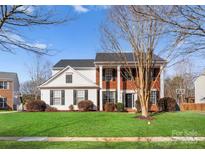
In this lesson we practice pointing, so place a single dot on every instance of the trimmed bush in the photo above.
(167, 104)
(109, 107)
(71, 107)
(138, 106)
(51, 109)
(36, 106)
(120, 107)
(85, 105)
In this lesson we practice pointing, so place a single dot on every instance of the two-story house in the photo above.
(99, 80)
(9, 87)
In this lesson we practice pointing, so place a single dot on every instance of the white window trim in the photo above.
(5, 83)
(113, 92)
(59, 97)
(80, 98)
(108, 74)
(4, 102)
(155, 96)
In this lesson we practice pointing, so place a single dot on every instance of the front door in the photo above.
(128, 100)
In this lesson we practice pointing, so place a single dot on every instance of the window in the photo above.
(69, 78)
(109, 96)
(108, 74)
(128, 74)
(3, 103)
(57, 97)
(154, 97)
(80, 95)
(4, 85)
(155, 73)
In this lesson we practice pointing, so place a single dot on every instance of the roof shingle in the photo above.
(75, 63)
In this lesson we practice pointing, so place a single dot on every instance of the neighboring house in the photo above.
(199, 84)
(9, 87)
(99, 80)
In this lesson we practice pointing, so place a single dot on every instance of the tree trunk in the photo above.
(144, 110)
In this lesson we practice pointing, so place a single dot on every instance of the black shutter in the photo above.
(74, 97)
(114, 75)
(103, 74)
(62, 97)
(51, 97)
(86, 94)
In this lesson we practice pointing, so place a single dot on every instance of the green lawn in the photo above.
(102, 145)
(100, 124)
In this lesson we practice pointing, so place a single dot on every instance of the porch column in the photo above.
(119, 97)
(100, 93)
(162, 82)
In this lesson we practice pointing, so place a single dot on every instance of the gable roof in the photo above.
(63, 70)
(116, 57)
(9, 76)
(75, 63)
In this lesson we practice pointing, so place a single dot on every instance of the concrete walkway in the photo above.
(102, 139)
(4, 112)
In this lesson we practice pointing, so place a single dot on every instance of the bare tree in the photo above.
(15, 17)
(141, 34)
(38, 72)
(185, 22)
(182, 79)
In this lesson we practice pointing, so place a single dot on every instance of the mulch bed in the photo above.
(145, 118)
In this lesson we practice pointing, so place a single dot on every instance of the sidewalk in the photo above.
(4, 112)
(102, 139)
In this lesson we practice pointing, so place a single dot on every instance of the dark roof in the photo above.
(75, 63)
(8, 75)
(116, 57)
(100, 57)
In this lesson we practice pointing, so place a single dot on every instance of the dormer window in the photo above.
(69, 78)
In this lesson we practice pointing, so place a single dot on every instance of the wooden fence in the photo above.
(192, 107)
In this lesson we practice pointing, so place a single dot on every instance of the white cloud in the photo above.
(15, 38)
(80, 9)
(102, 7)
(40, 45)
(26, 9)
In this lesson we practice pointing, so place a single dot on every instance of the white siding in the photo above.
(200, 89)
(45, 96)
(80, 78)
(89, 73)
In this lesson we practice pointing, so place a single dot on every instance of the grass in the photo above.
(102, 145)
(100, 124)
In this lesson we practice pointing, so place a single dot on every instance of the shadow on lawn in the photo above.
(47, 130)
(152, 116)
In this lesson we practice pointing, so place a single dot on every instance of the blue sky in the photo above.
(76, 39)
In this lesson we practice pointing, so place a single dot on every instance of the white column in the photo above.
(162, 82)
(119, 97)
(100, 93)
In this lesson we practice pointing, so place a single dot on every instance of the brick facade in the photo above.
(124, 84)
(8, 93)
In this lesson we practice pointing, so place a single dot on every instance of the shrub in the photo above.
(120, 107)
(71, 107)
(109, 107)
(151, 107)
(51, 109)
(36, 106)
(167, 104)
(85, 105)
